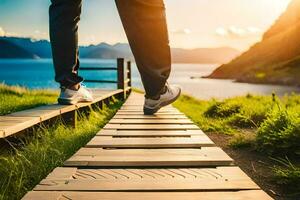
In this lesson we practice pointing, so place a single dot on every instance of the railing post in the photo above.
(129, 73)
(121, 81)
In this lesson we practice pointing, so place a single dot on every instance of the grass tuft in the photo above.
(15, 98)
(287, 174)
(280, 133)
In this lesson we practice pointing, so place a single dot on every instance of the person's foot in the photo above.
(71, 97)
(172, 93)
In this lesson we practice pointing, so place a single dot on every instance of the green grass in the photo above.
(25, 161)
(265, 123)
(14, 98)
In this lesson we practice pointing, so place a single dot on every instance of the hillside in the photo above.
(276, 59)
(10, 50)
(42, 49)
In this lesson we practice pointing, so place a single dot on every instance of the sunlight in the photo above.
(216, 23)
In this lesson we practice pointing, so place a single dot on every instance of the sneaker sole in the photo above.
(66, 101)
(151, 111)
(70, 102)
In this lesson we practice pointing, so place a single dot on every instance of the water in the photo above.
(40, 73)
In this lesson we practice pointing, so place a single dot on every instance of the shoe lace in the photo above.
(85, 87)
(168, 88)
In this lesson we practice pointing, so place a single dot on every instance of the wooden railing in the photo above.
(123, 75)
(20, 122)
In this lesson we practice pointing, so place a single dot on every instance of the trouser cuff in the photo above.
(71, 80)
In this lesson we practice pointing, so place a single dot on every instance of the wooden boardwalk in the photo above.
(136, 157)
(17, 122)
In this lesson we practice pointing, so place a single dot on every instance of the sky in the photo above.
(192, 23)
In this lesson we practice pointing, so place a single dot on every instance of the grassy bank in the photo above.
(265, 126)
(24, 162)
(14, 99)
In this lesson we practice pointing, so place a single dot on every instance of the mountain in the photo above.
(106, 51)
(275, 59)
(10, 50)
(42, 49)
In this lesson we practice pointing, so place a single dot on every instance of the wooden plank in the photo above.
(149, 133)
(174, 142)
(167, 179)
(238, 195)
(142, 113)
(150, 121)
(159, 112)
(2, 134)
(62, 173)
(41, 112)
(142, 116)
(135, 105)
(151, 126)
(12, 125)
(206, 156)
(138, 108)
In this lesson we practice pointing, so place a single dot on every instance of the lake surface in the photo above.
(40, 73)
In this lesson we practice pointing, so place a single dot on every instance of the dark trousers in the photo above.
(145, 25)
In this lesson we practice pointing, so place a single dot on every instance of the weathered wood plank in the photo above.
(138, 108)
(151, 126)
(11, 125)
(174, 142)
(206, 156)
(239, 195)
(41, 112)
(150, 121)
(141, 111)
(167, 179)
(142, 116)
(149, 133)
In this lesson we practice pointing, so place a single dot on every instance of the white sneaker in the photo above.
(71, 97)
(152, 106)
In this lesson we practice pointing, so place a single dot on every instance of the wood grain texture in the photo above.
(11, 125)
(231, 195)
(149, 133)
(142, 116)
(168, 179)
(151, 126)
(171, 142)
(150, 121)
(206, 156)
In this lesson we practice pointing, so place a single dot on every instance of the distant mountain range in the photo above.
(276, 59)
(42, 49)
(10, 50)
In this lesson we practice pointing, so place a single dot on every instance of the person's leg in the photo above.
(145, 25)
(64, 17)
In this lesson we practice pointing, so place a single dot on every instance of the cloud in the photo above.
(237, 32)
(8, 34)
(184, 31)
(2, 32)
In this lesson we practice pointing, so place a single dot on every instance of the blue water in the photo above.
(40, 74)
